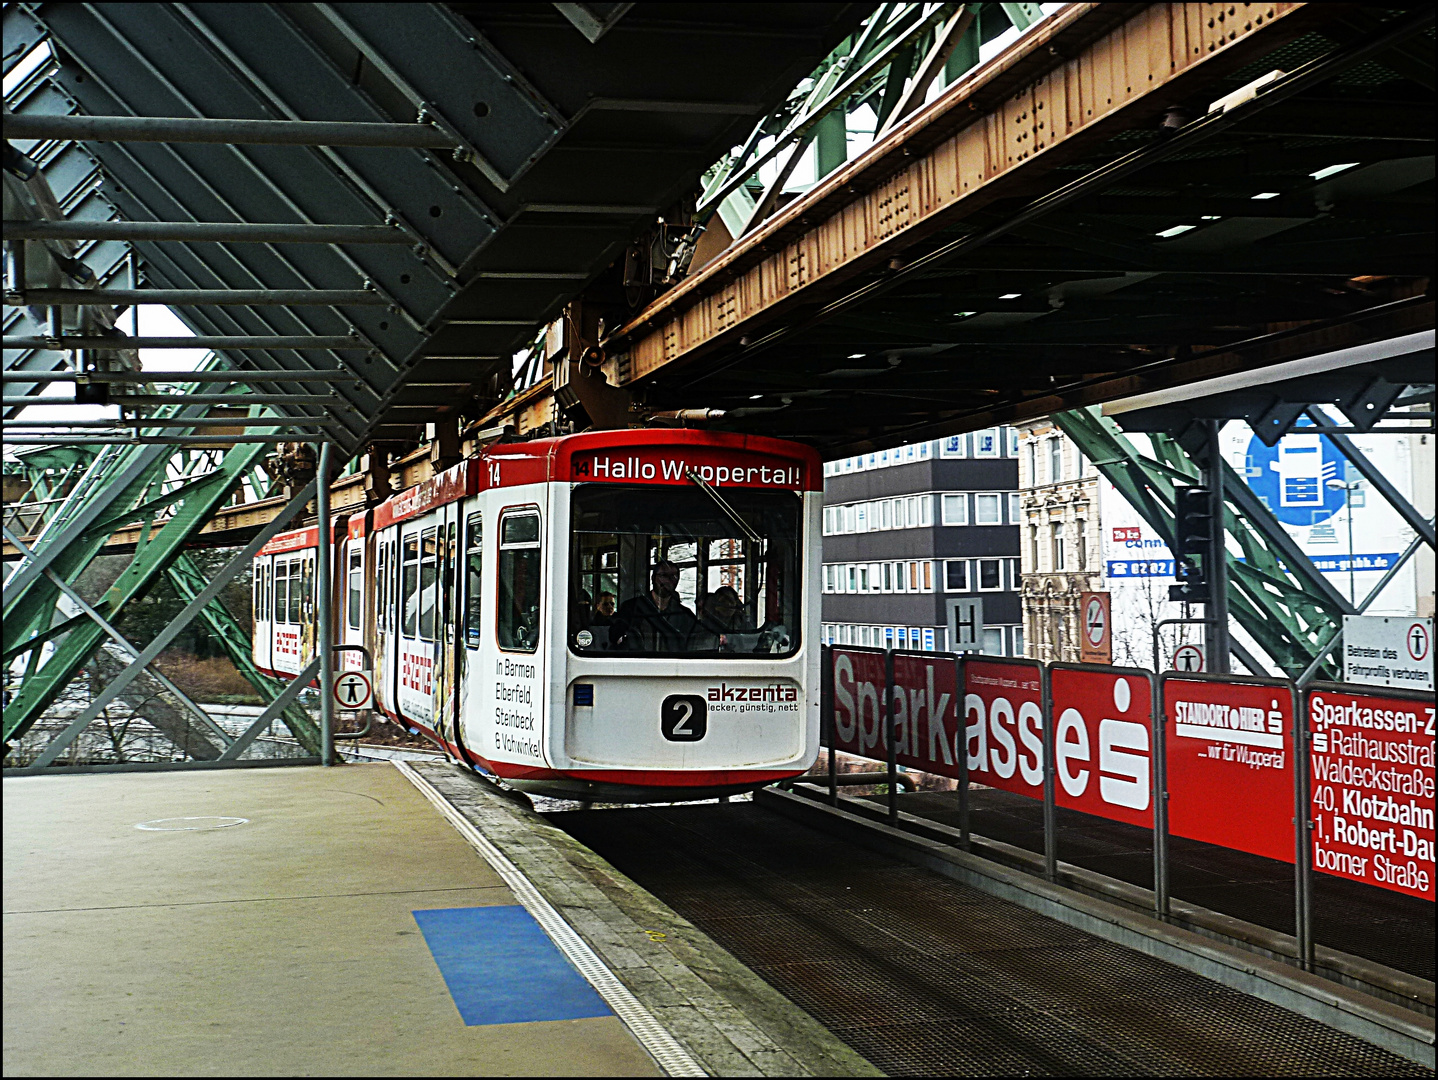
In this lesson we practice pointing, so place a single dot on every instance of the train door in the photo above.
(470, 629)
(260, 638)
(286, 652)
(446, 664)
(385, 594)
(419, 583)
(352, 629)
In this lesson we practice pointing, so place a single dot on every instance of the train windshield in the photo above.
(670, 571)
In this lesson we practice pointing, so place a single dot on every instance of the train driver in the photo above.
(656, 621)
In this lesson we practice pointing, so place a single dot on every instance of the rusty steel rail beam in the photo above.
(1089, 72)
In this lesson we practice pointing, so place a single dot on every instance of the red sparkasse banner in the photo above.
(1003, 713)
(926, 713)
(925, 709)
(1230, 764)
(858, 702)
(1103, 743)
(1372, 788)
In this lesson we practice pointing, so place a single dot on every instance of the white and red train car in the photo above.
(614, 615)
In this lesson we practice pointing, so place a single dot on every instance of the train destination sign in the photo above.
(1372, 788)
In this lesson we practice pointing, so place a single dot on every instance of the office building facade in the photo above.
(910, 531)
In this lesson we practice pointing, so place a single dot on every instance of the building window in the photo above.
(888, 577)
(955, 510)
(1015, 580)
(1034, 549)
(991, 575)
(853, 572)
(988, 509)
(1033, 464)
(913, 577)
(993, 641)
(1056, 460)
(1058, 545)
(928, 576)
(955, 446)
(956, 575)
(986, 443)
(863, 579)
(1015, 509)
(1081, 539)
(1013, 442)
(1018, 637)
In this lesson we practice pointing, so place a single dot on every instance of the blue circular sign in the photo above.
(1292, 477)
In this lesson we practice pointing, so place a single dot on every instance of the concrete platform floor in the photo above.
(284, 945)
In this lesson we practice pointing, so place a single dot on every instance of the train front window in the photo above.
(666, 571)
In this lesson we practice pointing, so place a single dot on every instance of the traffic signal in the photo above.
(1193, 585)
(1193, 520)
(1193, 525)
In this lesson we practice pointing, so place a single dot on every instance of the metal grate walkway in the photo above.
(924, 976)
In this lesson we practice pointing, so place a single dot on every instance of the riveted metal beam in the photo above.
(983, 139)
(194, 129)
(198, 297)
(198, 342)
(229, 232)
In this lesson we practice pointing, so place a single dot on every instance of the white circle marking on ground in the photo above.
(190, 824)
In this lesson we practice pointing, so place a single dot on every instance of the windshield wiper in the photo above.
(723, 504)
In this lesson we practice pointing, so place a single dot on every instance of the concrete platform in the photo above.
(285, 943)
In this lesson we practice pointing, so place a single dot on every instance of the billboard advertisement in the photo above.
(1372, 787)
(1230, 763)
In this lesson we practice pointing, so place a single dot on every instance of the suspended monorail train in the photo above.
(625, 615)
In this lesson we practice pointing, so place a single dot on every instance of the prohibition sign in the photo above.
(1417, 641)
(1188, 658)
(1094, 622)
(353, 690)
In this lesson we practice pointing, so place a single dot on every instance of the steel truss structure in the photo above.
(1273, 590)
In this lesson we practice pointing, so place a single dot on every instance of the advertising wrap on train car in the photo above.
(1103, 742)
(454, 483)
(1003, 710)
(926, 718)
(1372, 787)
(1230, 764)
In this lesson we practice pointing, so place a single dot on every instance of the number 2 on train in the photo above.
(682, 718)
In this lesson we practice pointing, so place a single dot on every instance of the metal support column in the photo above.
(1217, 560)
(324, 572)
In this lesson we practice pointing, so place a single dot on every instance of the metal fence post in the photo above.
(1160, 799)
(1051, 840)
(962, 750)
(1302, 843)
(325, 634)
(893, 751)
(826, 707)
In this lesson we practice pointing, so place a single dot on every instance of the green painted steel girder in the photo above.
(189, 582)
(1283, 602)
(157, 551)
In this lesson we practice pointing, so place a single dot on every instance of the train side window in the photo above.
(266, 586)
(381, 587)
(292, 615)
(474, 587)
(519, 568)
(355, 599)
(307, 592)
(409, 590)
(428, 583)
(277, 596)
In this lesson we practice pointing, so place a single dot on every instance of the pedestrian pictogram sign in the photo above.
(354, 690)
(1188, 658)
(1097, 641)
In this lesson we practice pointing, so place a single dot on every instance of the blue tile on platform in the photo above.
(501, 967)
